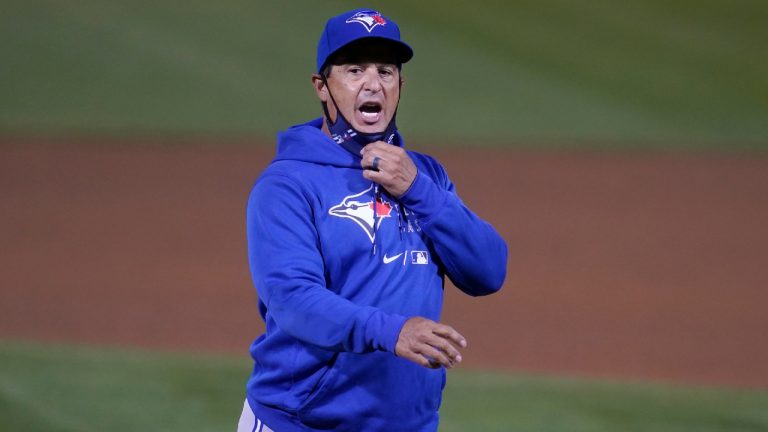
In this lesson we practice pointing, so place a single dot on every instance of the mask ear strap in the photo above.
(325, 104)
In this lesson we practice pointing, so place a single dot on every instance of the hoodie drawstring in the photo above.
(376, 198)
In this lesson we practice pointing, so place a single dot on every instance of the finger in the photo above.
(420, 360)
(447, 347)
(376, 145)
(367, 161)
(449, 333)
(437, 356)
(372, 161)
(376, 176)
(376, 163)
(381, 148)
(365, 151)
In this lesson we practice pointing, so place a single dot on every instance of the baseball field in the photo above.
(620, 149)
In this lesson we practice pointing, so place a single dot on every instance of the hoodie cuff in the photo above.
(383, 330)
(424, 197)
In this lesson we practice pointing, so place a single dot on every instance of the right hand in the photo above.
(429, 344)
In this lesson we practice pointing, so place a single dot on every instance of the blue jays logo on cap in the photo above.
(369, 19)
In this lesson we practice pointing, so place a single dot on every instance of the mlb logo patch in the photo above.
(419, 257)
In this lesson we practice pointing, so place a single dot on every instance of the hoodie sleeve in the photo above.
(473, 253)
(289, 275)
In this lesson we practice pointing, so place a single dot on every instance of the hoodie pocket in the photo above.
(325, 383)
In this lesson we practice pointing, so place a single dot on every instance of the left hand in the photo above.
(396, 169)
(429, 343)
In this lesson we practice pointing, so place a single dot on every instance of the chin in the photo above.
(378, 127)
(366, 127)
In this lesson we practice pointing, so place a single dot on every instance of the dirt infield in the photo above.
(643, 266)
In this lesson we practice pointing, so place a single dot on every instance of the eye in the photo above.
(355, 70)
(386, 71)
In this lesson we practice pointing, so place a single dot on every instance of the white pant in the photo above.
(249, 423)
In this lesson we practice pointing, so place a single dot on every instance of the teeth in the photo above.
(369, 114)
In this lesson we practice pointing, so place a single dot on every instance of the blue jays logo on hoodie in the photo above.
(359, 208)
(369, 19)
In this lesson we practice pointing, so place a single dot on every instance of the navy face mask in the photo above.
(348, 137)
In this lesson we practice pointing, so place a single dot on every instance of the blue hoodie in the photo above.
(337, 277)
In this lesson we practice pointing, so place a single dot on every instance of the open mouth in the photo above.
(370, 111)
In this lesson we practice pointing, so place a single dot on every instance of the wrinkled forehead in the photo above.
(368, 50)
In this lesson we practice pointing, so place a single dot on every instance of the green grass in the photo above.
(676, 74)
(495, 402)
(47, 388)
(51, 388)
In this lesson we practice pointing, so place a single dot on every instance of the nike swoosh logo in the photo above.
(388, 260)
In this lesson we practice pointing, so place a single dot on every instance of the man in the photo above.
(349, 238)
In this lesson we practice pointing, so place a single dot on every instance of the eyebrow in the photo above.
(377, 64)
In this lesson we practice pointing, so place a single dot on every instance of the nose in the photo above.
(372, 80)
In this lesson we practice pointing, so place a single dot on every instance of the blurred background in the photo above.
(620, 148)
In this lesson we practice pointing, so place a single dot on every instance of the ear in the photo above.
(320, 88)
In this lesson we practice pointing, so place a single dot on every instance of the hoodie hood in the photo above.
(308, 143)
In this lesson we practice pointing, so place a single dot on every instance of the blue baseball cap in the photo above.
(357, 24)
